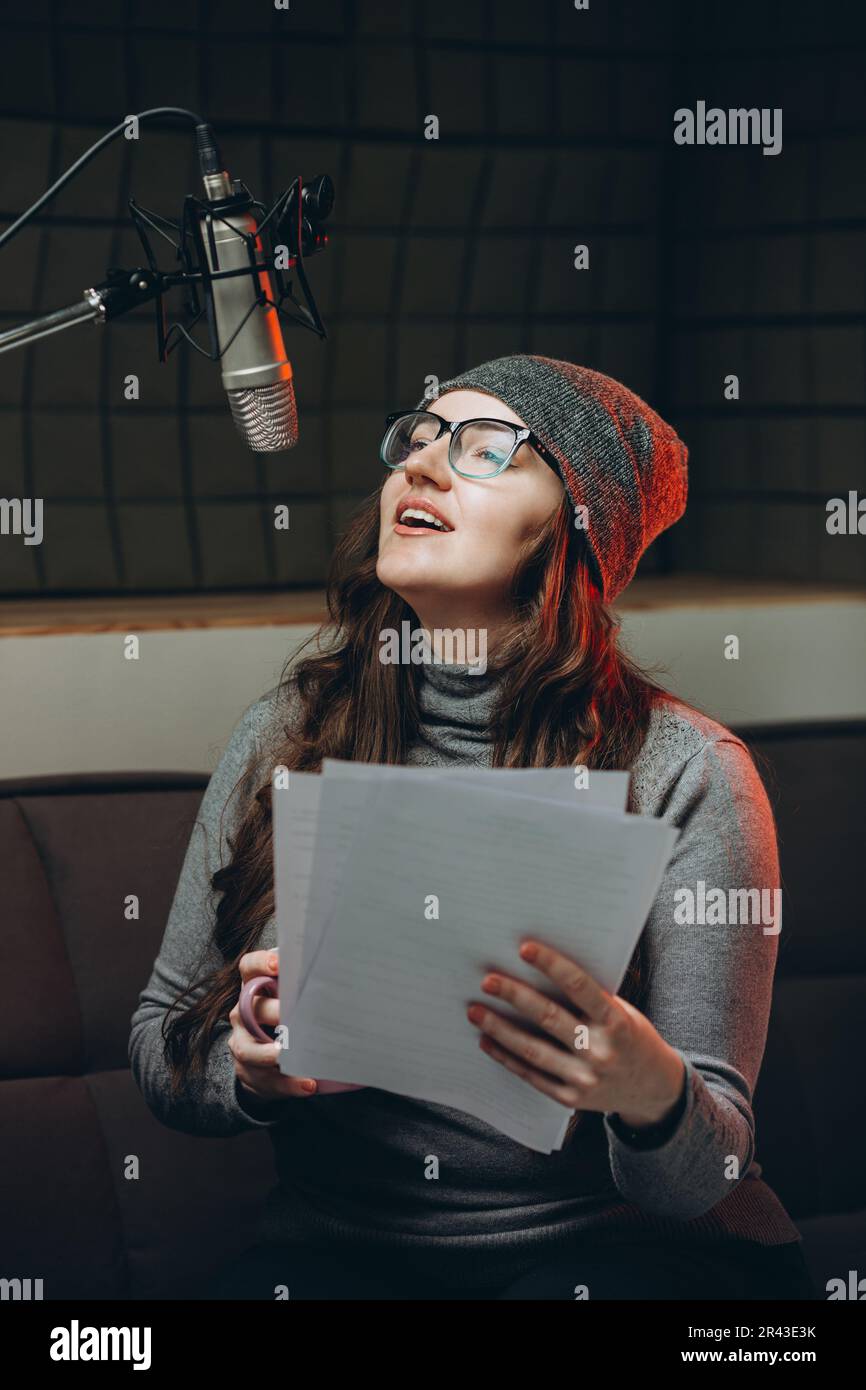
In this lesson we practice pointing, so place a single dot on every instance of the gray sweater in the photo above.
(353, 1168)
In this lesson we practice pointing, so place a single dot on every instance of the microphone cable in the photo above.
(94, 150)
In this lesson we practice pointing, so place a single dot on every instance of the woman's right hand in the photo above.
(256, 1063)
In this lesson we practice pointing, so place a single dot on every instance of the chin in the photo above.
(394, 575)
(394, 571)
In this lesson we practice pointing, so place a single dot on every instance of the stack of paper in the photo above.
(398, 889)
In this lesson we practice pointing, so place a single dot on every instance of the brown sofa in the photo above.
(100, 1201)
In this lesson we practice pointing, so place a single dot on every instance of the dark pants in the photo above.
(594, 1270)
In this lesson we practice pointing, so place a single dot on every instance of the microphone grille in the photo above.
(266, 416)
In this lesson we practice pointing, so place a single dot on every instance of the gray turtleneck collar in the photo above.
(456, 706)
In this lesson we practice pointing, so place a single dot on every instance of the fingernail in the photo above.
(308, 1086)
(490, 984)
(529, 950)
(475, 1013)
(273, 964)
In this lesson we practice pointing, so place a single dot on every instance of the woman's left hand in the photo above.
(607, 1056)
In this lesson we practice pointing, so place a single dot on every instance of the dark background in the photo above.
(556, 127)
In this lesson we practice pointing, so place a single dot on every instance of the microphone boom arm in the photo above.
(85, 311)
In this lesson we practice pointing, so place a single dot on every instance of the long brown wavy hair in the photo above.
(568, 696)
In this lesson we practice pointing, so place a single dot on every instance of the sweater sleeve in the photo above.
(709, 984)
(210, 1106)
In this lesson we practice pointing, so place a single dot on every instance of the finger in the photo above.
(530, 1050)
(278, 1087)
(575, 983)
(549, 1015)
(267, 1011)
(255, 1061)
(245, 1048)
(566, 1095)
(254, 963)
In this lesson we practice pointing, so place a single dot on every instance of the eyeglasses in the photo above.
(478, 448)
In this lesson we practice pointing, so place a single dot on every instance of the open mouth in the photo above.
(420, 519)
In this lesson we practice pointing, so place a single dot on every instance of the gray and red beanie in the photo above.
(615, 455)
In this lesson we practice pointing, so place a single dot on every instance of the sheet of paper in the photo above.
(602, 789)
(384, 998)
(296, 810)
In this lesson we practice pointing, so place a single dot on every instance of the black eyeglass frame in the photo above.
(522, 436)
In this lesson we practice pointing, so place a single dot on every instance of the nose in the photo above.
(431, 462)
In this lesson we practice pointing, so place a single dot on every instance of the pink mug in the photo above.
(267, 984)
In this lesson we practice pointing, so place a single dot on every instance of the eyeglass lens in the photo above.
(478, 448)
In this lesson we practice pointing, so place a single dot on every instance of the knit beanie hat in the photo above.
(615, 455)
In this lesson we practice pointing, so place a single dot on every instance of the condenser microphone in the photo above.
(231, 257)
(256, 373)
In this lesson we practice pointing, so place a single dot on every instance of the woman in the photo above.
(522, 525)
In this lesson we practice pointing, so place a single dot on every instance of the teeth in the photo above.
(424, 516)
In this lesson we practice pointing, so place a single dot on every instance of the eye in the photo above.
(411, 446)
(488, 455)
